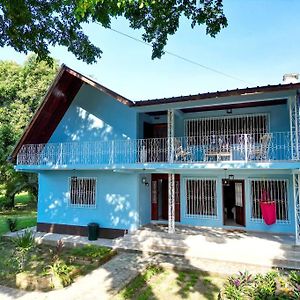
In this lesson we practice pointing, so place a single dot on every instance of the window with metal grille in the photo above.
(270, 190)
(227, 125)
(201, 199)
(82, 192)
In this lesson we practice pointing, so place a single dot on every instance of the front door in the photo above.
(234, 202)
(160, 197)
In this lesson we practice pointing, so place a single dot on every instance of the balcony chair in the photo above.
(260, 151)
(182, 154)
(219, 151)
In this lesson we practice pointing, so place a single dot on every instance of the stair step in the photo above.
(290, 259)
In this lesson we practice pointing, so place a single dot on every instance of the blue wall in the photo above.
(95, 116)
(144, 199)
(278, 117)
(247, 176)
(123, 202)
(116, 193)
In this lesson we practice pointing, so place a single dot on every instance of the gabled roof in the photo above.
(55, 104)
(67, 84)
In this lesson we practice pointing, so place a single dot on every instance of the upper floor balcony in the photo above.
(207, 150)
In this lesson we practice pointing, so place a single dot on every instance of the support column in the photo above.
(171, 176)
(294, 126)
(296, 188)
(170, 135)
(171, 224)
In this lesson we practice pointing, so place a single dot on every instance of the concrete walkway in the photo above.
(103, 283)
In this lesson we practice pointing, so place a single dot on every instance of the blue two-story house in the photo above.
(198, 160)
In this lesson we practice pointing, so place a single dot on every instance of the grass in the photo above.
(25, 215)
(157, 284)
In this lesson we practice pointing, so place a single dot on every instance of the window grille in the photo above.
(201, 199)
(227, 125)
(82, 192)
(272, 190)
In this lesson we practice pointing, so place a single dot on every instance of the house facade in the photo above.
(199, 160)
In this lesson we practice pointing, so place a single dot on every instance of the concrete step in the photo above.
(228, 253)
(217, 234)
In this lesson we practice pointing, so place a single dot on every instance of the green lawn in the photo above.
(25, 215)
(157, 283)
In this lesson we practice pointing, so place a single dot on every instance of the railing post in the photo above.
(112, 152)
(246, 147)
(61, 152)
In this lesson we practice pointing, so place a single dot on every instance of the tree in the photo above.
(34, 25)
(22, 88)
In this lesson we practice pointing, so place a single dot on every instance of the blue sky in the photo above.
(260, 44)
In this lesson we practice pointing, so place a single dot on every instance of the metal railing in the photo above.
(257, 147)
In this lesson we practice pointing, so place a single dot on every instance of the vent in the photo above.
(291, 78)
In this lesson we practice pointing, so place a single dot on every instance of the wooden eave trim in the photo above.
(36, 115)
(221, 94)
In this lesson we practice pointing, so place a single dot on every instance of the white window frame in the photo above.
(287, 197)
(83, 205)
(202, 216)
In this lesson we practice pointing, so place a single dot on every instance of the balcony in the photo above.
(266, 147)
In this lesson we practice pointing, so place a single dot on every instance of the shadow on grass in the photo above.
(157, 283)
(196, 282)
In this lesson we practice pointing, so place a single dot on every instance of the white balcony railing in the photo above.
(262, 147)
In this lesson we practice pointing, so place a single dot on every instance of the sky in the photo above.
(260, 44)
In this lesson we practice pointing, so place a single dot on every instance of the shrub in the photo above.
(5, 203)
(58, 250)
(23, 244)
(12, 224)
(61, 271)
(25, 241)
(272, 285)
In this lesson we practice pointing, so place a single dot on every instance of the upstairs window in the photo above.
(228, 125)
(82, 192)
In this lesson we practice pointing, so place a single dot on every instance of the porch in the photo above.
(200, 247)
(231, 246)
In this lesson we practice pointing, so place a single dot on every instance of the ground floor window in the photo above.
(270, 190)
(201, 199)
(82, 192)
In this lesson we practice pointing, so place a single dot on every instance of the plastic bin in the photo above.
(93, 229)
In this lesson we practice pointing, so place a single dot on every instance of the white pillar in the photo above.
(171, 223)
(171, 177)
(171, 135)
(294, 126)
(296, 188)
